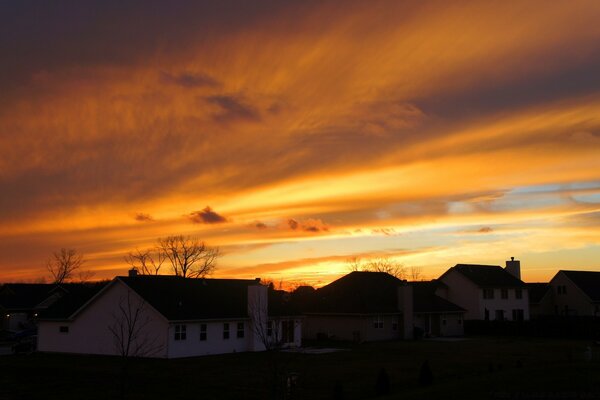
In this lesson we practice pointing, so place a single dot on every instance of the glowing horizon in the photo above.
(428, 132)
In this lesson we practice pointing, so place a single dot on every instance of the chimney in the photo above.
(133, 272)
(513, 267)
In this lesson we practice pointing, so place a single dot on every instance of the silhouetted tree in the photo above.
(132, 336)
(63, 264)
(384, 264)
(382, 386)
(146, 262)
(425, 374)
(189, 257)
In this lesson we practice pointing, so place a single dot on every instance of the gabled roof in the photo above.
(587, 281)
(75, 296)
(487, 275)
(358, 293)
(537, 291)
(179, 299)
(426, 301)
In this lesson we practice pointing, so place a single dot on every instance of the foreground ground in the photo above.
(478, 368)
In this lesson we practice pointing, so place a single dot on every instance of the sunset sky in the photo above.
(295, 135)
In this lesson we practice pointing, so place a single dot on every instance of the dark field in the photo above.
(476, 368)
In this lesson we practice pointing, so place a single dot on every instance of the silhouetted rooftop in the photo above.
(75, 295)
(359, 293)
(587, 281)
(186, 299)
(426, 301)
(487, 275)
(25, 296)
(537, 291)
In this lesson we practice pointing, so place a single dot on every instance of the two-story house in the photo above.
(488, 292)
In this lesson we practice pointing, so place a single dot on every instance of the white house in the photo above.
(575, 293)
(168, 317)
(488, 292)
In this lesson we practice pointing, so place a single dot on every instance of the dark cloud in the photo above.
(143, 217)
(206, 216)
(308, 225)
(485, 229)
(189, 80)
(260, 225)
(233, 108)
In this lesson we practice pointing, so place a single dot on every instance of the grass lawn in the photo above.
(476, 368)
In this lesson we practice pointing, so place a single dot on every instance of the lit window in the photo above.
(226, 330)
(180, 332)
(378, 322)
(240, 330)
(203, 332)
(63, 329)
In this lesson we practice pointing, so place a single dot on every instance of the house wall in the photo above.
(351, 327)
(544, 307)
(507, 305)
(463, 293)
(574, 301)
(214, 343)
(89, 332)
(439, 324)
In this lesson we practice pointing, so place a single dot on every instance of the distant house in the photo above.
(541, 299)
(488, 292)
(576, 293)
(20, 303)
(168, 317)
(361, 306)
(434, 315)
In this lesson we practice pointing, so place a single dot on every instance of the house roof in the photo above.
(359, 293)
(179, 298)
(587, 281)
(487, 275)
(75, 295)
(537, 291)
(25, 296)
(426, 301)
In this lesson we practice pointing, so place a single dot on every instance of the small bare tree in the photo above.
(146, 262)
(383, 264)
(63, 264)
(130, 329)
(189, 257)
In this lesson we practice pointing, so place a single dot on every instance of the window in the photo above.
(226, 330)
(518, 293)
(202, 332)
(378, 322)
(504, 293)
(63, 329)
(488, 293)
(517, 315)
(499, 315)
(180, 332)
(394, 323)
(269, 328)
(240, 330)
(287, 331)
(561, 289)
(444, 322)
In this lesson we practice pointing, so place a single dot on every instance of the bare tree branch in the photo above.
(131, 334)
(63, 264)
(189, 257)
(384, 264)
(147, 262)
